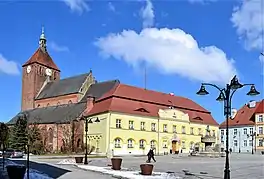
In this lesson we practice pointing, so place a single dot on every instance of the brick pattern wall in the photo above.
(66, 99)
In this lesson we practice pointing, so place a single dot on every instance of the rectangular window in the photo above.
(260, 130)
(117, 143)
(222, 132)
(235, 131)
(251, 130)
(183, 130)
(214, 133)
(245, 143)
(129, 143)
(235, 143)
(174, 128)
(191, 130)
(131, 125)
(260, 142)
(260, 118)
(142, 126)
(118, 123)
(165, 128)
(183, 145)
(250, 143)
(153, 126)
(245, 130)
(141, 144)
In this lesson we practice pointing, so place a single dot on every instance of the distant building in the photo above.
(245, 128)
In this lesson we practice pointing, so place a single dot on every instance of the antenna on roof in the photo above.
(145, 76)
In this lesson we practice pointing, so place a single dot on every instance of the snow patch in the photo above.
(128, 174)
(67, 162)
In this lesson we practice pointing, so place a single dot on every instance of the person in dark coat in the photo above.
(151, 156)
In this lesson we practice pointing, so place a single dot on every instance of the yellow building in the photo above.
(259, 116)
(132, 120)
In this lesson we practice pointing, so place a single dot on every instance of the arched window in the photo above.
(50, 135)
(153, 144)
(38, 106)
(70, 102)
(117, 143)
(129, 143)
(48, 105)
(141, 144)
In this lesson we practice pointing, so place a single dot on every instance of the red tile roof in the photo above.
(260, 108)
(130, 99)
(244, 116)
(42, 58)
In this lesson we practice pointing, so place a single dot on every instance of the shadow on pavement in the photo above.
(49, 170)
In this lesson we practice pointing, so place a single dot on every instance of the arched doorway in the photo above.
(175, 144)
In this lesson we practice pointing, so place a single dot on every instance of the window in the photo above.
(142, 126)
(174, 128)
(260, 142)
(251, 130)
(200, 131)
(260, 130)
(245, 143)
(235, 143)
(213, 133)
(141, 144)
(235, 131)
(50, 135)
(117, 143)
(131, 125)
(70, 102)
(250, 143)
(152, 144)
(153, 126)
(260, 118)
(118, 123)
(191, 130)
(245, 130)
(165, 128)
(222, 132)
(164, 144)
(183, 129)
(129, 143)
(183, 145)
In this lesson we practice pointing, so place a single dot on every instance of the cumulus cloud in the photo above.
(8, 67)
(147, 14)
(58, 48)
(78, 6)
(171, 51)
(247, 18)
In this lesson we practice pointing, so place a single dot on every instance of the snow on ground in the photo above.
(124, 173)
(67, 162)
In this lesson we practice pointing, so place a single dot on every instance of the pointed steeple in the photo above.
(43, 41)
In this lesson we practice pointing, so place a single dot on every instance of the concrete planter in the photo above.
(262, 152)
(146, 169)
(16, 171)
(116, 163)
(79, 159)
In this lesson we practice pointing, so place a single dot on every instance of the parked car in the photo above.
(13, 153)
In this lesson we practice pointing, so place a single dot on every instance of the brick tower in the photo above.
(38, 69)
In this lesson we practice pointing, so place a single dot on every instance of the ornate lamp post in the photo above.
(88, 121)
(226, 95)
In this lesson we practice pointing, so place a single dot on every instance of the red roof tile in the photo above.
(260, 108)
(244, 116)
(42, 58)
(129, 99)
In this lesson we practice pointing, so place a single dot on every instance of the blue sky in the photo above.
(182, 43)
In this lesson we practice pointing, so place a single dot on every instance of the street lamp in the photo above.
(226, 95)
(88, 121)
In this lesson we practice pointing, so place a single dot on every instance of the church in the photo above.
(132, 119)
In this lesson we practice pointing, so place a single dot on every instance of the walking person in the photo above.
(151, 156)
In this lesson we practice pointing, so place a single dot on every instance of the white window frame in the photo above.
(251, 130)
(183, 130)
(260, 118)
(118, 123)
(235, 132)
(191, 130)
(260, 130)
(131, 125)
(165, 128)
(152, 144)
(235, 143)
(117, 143)
(153, 126)
(141, 144)
(174, 129)
(129, 143)
(142, 126)
(245, 143)
(245, 131)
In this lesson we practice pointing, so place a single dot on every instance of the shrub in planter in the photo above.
(116, 163)
(79, 159)
(16, 171)
(146, 169)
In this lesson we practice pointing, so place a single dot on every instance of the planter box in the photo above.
(116, 163)
(146, 169)
(262, 152)
(16, 171)
(79, 159)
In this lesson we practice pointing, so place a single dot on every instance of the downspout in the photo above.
(109, 128)
(57, 137)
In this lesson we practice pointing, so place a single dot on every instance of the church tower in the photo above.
(38, 69)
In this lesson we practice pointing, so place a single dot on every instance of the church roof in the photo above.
(43, 58)
(131, 100)
(260, 108)
(53, 114)
(63, 87)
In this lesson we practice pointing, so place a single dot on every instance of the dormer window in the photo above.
(142, 110)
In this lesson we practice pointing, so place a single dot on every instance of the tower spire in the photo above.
(43, 41)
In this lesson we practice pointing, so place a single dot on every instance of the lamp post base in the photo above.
(85, 160)
(227, 174)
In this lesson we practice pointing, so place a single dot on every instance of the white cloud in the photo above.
(111, 7)
(77, 5)
(147, 14)
(171, 51)
(8, 67)
(57, 47)
(201, 1)
(246, 19)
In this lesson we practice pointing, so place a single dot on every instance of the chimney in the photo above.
(89, 103)
(172, 94)
(233, 113)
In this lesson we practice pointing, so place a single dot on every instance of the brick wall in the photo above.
(66, 99)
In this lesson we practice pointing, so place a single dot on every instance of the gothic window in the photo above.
(50, 135)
